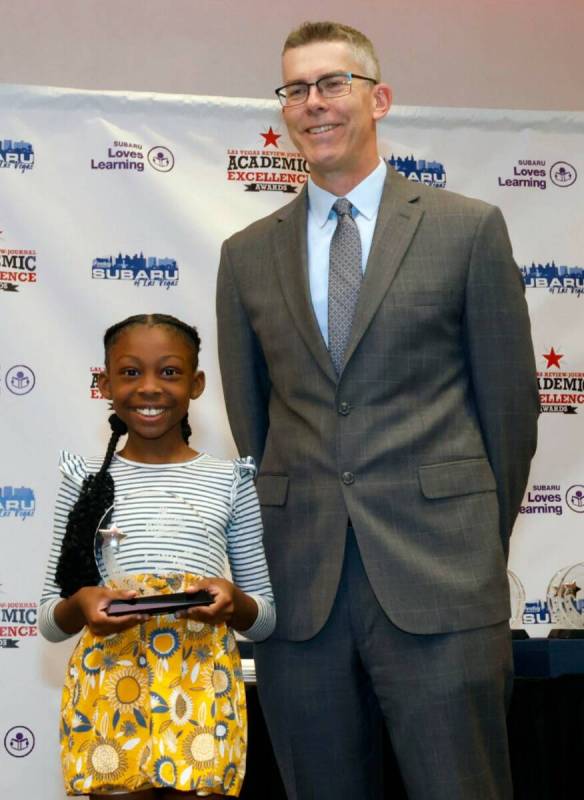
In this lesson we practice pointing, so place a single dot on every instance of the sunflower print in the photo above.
(126, 688)
(180, 707)
(165, 771)
(163, 642)
(106, 760)
(196, 631)
(199, 748)
(160, 705)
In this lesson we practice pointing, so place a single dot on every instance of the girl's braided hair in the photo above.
(76, 566)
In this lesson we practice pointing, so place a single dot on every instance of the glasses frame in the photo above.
(350, 75)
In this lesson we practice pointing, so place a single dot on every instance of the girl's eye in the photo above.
(169, 372)
(130, 372)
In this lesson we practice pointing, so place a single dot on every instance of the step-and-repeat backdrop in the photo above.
(114, 204)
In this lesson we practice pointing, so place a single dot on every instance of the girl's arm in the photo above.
(247, 604)
(61, 618)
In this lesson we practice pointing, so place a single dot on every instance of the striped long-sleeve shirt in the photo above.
(200, 516)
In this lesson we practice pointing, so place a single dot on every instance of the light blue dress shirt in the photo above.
(322, 221)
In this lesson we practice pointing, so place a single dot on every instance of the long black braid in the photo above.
(76, 566)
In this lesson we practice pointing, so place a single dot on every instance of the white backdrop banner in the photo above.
(114, 204)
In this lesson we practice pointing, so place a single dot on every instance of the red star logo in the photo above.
(271, 137)
(553, 358)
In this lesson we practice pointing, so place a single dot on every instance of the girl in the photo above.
(154, 706)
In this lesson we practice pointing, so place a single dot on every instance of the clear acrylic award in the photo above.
(148, 541)
(517, 593)
(565, 598)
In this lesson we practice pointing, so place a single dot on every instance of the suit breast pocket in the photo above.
(272, 489)
(456, 478)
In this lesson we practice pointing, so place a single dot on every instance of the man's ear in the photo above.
(382, 97)
(104, 385)
(198, 384)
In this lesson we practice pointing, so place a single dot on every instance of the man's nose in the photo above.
(315, 99)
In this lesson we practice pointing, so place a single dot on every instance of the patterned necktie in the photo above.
(345, 277)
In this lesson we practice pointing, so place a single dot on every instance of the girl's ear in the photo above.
(198, 384)
(104, 385)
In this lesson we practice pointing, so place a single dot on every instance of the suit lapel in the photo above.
(397, 220)
(289, 240)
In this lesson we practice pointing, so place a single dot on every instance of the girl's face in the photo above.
(150, 378)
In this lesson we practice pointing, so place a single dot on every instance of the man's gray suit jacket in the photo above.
(424, 440)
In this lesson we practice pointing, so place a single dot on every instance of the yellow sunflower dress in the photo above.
(163, 703)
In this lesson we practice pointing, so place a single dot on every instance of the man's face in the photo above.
(337, 136)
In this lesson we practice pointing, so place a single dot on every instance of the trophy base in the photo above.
(159, 603)
(566, 633)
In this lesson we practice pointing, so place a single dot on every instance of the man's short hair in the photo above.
(363, 50)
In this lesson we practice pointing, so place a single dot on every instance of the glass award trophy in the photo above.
(517, 593)
(149, 541)
(565, 598)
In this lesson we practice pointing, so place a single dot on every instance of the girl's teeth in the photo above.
(150, 412)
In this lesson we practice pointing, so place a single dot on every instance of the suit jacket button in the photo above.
(344, 408)
(348, 478)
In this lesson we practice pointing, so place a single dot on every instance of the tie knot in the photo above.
(342, 207)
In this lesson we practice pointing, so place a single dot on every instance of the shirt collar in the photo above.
(365, 197)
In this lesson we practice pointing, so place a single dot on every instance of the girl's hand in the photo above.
(89, 605)
(230, 605)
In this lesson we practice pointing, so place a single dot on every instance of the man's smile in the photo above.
(318, 129)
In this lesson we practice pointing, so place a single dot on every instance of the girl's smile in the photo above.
(150, 411)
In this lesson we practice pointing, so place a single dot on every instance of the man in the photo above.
(377, 363)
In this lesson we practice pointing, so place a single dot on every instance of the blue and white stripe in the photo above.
(200, 516)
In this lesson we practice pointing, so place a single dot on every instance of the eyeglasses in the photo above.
(334, 85)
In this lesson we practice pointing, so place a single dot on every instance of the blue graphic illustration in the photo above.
(18, 155)
(142, 271)
(536, 612)
(19, 741)
(431, 173)
(17, 502)
(20, 379)
(559, 279)
(575, 498)
(161, 158)
(563, 174)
